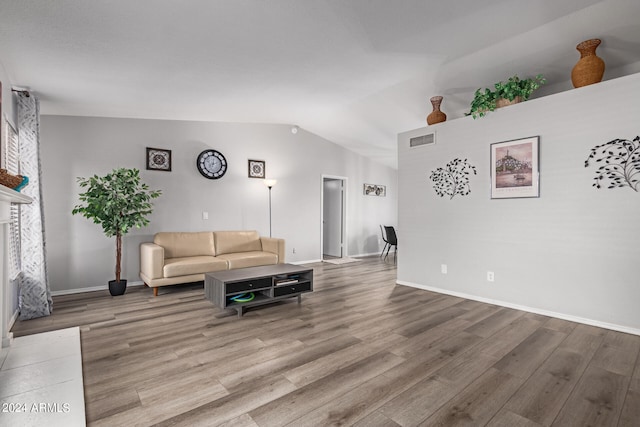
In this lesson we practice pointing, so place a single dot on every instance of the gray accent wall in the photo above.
(80, 257)
(573, 252)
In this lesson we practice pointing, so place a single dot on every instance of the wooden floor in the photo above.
(360, 350)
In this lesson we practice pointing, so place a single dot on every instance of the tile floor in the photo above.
(41, 380)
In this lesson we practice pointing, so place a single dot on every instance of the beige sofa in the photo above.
(180, 257)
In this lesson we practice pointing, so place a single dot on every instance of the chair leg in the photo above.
(387, 254)
(155, 291)
(385, 247)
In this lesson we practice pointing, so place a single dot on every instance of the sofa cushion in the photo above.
(181, 244)
(174, 267)
(229, 242)
(249, 259)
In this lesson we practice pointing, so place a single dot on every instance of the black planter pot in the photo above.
(117, 288)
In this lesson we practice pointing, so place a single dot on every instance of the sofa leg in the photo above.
(155, 291)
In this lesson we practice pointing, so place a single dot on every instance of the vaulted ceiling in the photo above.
(355, 72)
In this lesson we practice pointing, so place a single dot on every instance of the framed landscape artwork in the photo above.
(515, 168)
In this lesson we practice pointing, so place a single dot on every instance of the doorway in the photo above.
(333, 217)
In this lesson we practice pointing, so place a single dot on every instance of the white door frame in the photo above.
(345, 181)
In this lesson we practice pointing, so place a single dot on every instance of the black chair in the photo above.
(384, 238)
(392, 240)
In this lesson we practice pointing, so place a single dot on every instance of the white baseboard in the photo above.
(543, 312)
(91, 289)
(320, 260)
(311, 261)
(305, 262)
(364, 255)
(9, 338)
(13, 319)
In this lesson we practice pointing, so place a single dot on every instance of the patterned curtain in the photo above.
(35, 296)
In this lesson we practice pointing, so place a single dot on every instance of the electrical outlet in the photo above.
(443, 268)
(294, 250)
(490, 276)
(205, 215)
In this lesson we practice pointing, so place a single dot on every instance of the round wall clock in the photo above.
(211, 164)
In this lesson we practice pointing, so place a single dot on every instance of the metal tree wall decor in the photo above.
(453, 178)
(621, 163)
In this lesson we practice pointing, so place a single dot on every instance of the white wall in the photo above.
(573, 252)
(8, 102)
(9, 110)
(79, 256)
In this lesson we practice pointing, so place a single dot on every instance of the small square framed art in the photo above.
(257, 168)
(158, 159)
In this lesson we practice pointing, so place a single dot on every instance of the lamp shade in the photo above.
(270, 182)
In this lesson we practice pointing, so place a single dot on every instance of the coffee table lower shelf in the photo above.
(268, 284)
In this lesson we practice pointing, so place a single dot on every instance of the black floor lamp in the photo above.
(270, 183)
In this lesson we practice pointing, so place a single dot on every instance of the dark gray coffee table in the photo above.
(267, 283)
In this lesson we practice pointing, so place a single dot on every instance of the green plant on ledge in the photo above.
(117, 201)
(483, 102)
(513, 90)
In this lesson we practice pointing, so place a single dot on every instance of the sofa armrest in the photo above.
(151, 260)
(274, 245)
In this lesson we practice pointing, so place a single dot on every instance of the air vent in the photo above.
(427, 139)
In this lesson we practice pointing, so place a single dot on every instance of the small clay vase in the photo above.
(590, 67)
(436, 115)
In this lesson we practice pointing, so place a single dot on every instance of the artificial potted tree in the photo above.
(117, 201)
(509, 92)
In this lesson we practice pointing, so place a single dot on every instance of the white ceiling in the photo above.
(355, 72)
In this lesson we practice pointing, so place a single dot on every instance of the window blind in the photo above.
(12, 164)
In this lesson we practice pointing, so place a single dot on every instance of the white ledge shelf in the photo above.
(9, 195)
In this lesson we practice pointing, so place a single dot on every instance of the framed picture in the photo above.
(158, 159)
(515, 168)
(374, 190)
(257, 168)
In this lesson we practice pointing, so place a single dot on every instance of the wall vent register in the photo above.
(427, 139)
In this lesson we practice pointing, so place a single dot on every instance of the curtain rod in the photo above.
(22, 91)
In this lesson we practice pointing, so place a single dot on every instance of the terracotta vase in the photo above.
(436, 115)
(590, 67)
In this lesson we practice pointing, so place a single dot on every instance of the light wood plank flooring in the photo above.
(360, 350)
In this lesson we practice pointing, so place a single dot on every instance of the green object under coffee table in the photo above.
(268, 283)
